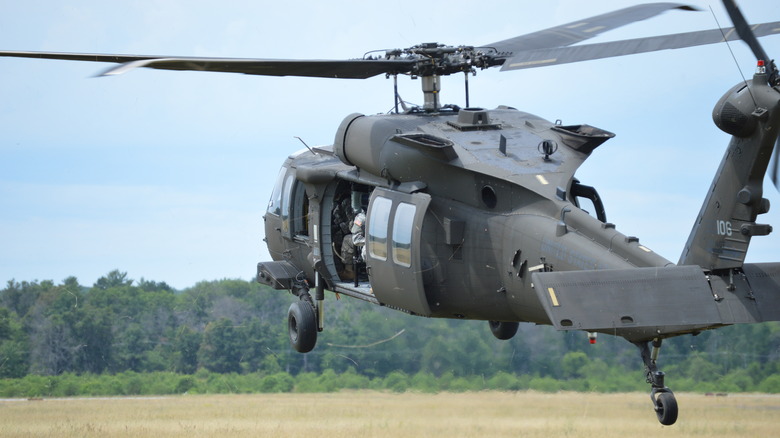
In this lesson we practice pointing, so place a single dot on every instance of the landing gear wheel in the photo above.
(662, 397)
(302, 325)
(503, 330)
(666, 408)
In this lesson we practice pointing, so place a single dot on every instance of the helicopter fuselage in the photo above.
(462, 207)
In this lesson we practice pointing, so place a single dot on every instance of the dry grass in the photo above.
(375, 414)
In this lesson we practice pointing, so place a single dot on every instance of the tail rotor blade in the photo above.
(743, 30)
(746, 33)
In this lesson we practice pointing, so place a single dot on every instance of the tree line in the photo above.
(238, 329)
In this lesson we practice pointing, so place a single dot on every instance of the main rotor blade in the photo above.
(743, 29)
(564, 55)
(345, 69)
(581, 30)
(348, 69)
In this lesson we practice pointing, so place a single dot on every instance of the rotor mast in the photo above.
(431, 85)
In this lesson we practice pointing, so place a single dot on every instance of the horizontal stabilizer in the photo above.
(643, 303)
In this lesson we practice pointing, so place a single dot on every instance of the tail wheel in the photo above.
(666, 408)
(503, 330)
(302, 325)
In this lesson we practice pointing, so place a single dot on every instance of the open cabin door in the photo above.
(393, 233)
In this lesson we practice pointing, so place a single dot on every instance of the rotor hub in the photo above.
(430, 61)
(434, 59)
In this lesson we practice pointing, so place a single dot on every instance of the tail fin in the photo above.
(750, 112)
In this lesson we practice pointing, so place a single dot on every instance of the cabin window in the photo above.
(299, 210)
(275, 203)
(403, 224)
(377, 228)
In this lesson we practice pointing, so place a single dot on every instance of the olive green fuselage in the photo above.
(490, 208)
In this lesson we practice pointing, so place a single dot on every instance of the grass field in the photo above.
(376, 414)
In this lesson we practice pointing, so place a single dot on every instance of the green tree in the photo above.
(153, 286)
(221, 349)
(13, 346)
(51, 345)
(236, 326)
(93, 333)
(185, 343)
(573, 364)
(439, 357)
(21, 297)
(130, 349)
(114, 278)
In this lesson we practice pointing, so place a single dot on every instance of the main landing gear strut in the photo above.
(664, 402)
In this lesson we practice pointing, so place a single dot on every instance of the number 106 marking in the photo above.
(724, 228)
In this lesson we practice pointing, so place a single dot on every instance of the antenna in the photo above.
(726, 40)
(307, 146)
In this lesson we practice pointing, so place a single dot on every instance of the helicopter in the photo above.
(477, 214)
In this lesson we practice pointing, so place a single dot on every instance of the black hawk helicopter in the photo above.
(469, 213)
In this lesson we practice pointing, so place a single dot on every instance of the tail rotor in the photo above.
(746, 34)
(773, 77)
(750, 112)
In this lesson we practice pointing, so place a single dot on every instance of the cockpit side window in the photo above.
(286, 195)
(284, 207)
(275, 203)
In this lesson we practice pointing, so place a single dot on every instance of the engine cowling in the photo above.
(391, 146)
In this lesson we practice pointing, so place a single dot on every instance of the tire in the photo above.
(302, 326)
(666, 408)
(503, 330)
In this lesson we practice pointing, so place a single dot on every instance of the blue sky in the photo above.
(165, 174)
